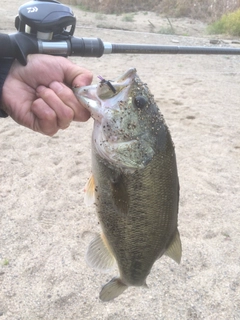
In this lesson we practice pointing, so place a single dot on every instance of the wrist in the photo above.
(5, 65)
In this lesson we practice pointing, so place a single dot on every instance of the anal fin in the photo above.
(112, 289)
(98, 254)
(174, 250)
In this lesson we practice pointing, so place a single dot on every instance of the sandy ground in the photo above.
(45, 227)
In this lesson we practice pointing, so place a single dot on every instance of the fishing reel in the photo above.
(47, 27)
(47, 20)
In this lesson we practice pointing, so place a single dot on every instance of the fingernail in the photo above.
(40, 89)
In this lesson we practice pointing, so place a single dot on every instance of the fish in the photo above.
(134, 182)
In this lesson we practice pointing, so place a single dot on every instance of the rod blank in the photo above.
(155, 49)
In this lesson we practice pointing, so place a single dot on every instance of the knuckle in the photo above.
(50, 132)
(90, 76)
(68, 114)
(49, 116)
(46, 94)
(85, 117)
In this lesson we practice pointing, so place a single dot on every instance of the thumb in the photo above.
(76, 76)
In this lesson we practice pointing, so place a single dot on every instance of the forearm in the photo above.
(5, 65)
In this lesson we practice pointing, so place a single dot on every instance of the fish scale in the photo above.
(139, 229)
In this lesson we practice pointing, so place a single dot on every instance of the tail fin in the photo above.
(112, 289)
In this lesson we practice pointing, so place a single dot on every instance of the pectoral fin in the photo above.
(174, 250)
(98, 254)
(112, 289)
(89, 190)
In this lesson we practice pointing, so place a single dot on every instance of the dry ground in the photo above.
(45, 227)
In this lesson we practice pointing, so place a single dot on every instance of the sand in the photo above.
(45, 227)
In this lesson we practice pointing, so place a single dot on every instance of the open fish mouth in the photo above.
(92, 96)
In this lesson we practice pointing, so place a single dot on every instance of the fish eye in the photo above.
(140, 102)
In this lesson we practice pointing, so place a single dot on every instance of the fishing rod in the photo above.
(47, 27)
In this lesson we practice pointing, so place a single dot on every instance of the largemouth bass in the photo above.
(134, 181)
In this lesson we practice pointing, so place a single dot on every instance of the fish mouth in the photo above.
(129, 74)
(120, 82)
(93, 96)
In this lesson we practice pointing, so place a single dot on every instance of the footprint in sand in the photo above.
(47, 218)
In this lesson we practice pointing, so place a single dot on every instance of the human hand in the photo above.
(38, 95)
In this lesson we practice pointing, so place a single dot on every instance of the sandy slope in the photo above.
(45, 227)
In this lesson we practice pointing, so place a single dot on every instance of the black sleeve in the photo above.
(5, 65)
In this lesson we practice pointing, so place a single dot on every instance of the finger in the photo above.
(68, 98)
(83, 79)
(64, 113)
(45, 119)
(77, 76)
